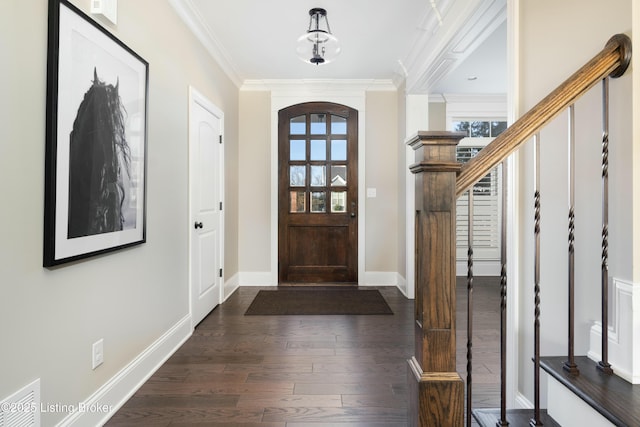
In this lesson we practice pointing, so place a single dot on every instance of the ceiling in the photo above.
(483, 71)
(430, 43)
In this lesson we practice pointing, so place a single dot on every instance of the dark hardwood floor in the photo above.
(304, 371)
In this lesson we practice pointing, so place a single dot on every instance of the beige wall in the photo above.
(382, 174)
(130, 298)
(556, 39)
(254, 236)
(437, 116)
(257, 239)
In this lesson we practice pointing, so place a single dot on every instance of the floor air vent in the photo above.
(22, 409)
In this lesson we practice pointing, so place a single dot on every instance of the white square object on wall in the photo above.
(106, 8)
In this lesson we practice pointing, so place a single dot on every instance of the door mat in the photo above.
(318, 302)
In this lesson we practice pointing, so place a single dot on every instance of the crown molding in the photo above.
(319, 85)
(475, 98)
(441, 48)
(194, 21)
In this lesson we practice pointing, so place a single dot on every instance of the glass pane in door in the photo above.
(338, 125)
(297, 201)
(338, 201)
(319, 124)
(318, 201)
(318, 149)
(297, 149)
(297, 125)
(338, 175)
(318, 176)
(297, 176)
(339, 149)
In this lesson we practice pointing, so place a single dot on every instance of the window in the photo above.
(486, 194)
(318, 164)
(480, 129)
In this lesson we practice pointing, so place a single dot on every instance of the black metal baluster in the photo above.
(535, 421)
(503, 303)
(604, 364)
(570, 364)
(469, 307)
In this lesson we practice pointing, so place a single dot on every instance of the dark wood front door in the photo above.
(318, 194)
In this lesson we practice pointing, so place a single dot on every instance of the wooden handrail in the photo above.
(612, 61)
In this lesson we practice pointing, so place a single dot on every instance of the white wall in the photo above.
(130, 298)
(401, 108)
(556, 38)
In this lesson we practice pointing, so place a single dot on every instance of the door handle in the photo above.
(353, 209)
(198, 225)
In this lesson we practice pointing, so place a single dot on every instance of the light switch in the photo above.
(371, 193)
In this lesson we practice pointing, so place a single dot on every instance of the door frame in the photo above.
(195, 97)
(286, 95)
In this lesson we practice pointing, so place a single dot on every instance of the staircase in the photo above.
(613, 398)
(439, 396)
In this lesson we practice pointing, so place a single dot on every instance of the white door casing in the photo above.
(206, 186)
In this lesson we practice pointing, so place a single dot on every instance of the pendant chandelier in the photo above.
(317, 45)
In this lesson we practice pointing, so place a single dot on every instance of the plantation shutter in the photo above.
(486, 195)
(486, 214)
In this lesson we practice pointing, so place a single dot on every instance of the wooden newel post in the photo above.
(436, 391)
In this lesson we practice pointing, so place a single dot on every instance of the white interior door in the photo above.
(206, 195)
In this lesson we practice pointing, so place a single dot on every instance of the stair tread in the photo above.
(515, 417)
(614, 398)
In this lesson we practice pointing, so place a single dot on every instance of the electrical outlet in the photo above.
(97, 353)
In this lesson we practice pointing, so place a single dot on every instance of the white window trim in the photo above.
(477, 108)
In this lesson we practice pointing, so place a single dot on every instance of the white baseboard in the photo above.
(522, 402)
(379, 278)
(230, 286)
(371, 278)
(115, 392)
(264, 278)
(252, 278)
(401, 284)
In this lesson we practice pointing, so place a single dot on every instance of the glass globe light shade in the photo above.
(317, 47)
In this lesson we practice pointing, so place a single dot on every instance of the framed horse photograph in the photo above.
(96, 139)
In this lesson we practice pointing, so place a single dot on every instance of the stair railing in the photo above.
(612, 61)
(436, 390)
